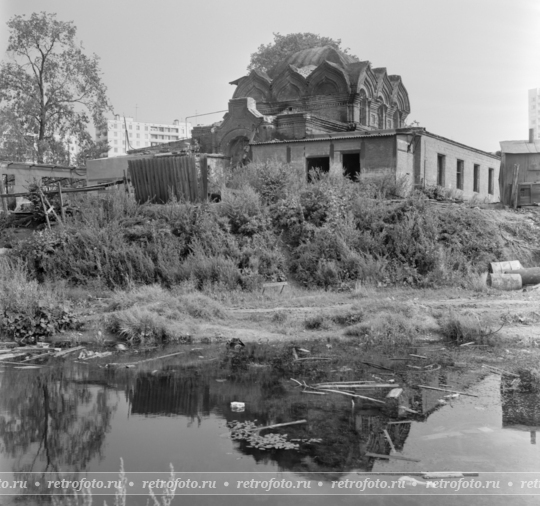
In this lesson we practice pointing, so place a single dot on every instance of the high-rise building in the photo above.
(534, 111)
(124, 134)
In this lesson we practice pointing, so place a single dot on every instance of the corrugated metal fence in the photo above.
(157, 179)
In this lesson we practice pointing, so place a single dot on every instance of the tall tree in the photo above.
(271, 54)
(50, 87)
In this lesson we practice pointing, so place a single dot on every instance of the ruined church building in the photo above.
(322, 108)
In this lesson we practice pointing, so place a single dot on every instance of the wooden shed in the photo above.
(519, 177)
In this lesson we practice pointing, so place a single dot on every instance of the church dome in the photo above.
(313, 57)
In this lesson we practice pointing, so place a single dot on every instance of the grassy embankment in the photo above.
(355, 256)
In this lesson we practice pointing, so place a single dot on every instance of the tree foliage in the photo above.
(269, 55)
(50, 90)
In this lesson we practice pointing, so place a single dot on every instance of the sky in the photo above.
(466, 64)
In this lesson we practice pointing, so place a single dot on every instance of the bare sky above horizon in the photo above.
(466, 64)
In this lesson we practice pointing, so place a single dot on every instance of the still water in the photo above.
(76, 422)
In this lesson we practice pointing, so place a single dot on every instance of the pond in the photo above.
(79, 422)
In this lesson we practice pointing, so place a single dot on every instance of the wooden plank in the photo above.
(446, 390)
(270, 285)
(515, 187)
(203, 160)
(396, 457)
(194, 189)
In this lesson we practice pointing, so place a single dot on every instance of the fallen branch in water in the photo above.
(356, 395)
(397, 457)
(276, 425)
(500, 371)
(128, 364)
(446, 390)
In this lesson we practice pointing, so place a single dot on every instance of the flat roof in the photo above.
(520, 147)
(376, 133)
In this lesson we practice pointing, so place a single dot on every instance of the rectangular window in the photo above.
(146, 128)
(138, 127)
(476, 178)
(116, 134)
(116, 150)
(320, 164)
(459, 175)
(491, 175)
(138, 135)
(441, 162)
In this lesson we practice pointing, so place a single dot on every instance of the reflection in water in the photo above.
(521, 410)
(57, 419)
(51, 421)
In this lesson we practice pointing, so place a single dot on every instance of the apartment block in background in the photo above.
(124, 134)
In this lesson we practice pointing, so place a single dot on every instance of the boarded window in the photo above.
(459, 175)
(476, 178)
(441, 161)
(491, 176)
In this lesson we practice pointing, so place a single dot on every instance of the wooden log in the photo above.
(132, 364)
(276, 425)
(312, 392)
(68, 351)
(389, 439)
(44, 210)
(355, 395)
(7, 356)
(355, 387)
(37, 357)
(399, 422)
(417, 356)
(312, 358)
(446, 390)
(397, 457)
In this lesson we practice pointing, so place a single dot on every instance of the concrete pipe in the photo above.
(505, 281)
(528, 276)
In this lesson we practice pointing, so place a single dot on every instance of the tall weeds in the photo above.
(272, 224)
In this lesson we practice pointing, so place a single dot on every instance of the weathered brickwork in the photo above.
(408, 153)
(432, 147)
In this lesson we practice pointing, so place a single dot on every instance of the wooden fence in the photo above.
(160, 178)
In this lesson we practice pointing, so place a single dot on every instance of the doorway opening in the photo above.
(351, 165)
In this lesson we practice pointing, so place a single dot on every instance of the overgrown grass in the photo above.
(386, 330)
(271, 225)
(467, 328)
(154, 315)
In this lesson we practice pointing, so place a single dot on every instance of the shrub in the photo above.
(317, 322)
(142, 326)
(466, 328)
